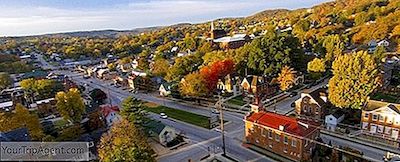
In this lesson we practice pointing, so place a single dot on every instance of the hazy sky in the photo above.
(29, 17)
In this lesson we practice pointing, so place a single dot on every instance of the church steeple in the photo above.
(212, 25)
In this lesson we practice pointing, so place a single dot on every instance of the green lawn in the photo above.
(384, 97)
(237, 101)
(181, 115)
(60, 123)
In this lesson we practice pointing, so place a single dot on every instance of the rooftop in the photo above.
(291, 125)
(107, 109)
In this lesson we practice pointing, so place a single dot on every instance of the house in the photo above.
(228, 84)
(102, 72)
(121, 80)
(281, 135)
(16, 135)
(381, 119)
(160, 132)
(257, 86)
(134, 64)
(6, 106)
(332, 120)
(233, 42)
(110, 114)
(312, 105)
(45, 107)
(165, 89)
(372, 44)
(383, 43)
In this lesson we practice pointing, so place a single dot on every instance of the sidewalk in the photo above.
(381, 147)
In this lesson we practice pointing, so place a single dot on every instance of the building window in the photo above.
(277, 137)
(366, 115)
(285, 150)
(374, 117)
(381, 118)
(365, 125)
(263, 132)
(380, 129)
(389, 120)
(388, 130)
(294, 142)
(286, 140)
(270, 134)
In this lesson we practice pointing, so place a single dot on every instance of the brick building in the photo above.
(312, 105)
(282, 135)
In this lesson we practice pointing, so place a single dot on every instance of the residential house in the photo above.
(228, 84)
(288, 137)
(110, 75)
(381, 119)
(110, 114)
(332, 120)
(383, 43)
(121, 80)
(101, 73)
(258, 86)
(165, 89)
(160, 132)
(45, 107)
(372, 44)
(16, 135)
(312, 105)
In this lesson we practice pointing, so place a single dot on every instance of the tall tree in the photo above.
(286, 78)
(132, 110)
(193, 85)
(160, 67)
(125, 142)
(355, 76)
(70, 105)
(5, 80)
(334, 47)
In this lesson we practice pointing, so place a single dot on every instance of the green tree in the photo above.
(334, 47)
(125, 142)
(132, 110)
(354, 79)
(316, 65)
(5, 80)
(379, 54)
(286, 78)
(70, 133)
(70, 105)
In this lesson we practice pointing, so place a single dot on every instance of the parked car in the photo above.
(163, 116)
(292, 94)
(214, 111)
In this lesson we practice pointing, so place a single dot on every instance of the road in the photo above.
(201, 139)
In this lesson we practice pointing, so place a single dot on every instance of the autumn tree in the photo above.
(5, 80)
(193, 85)
(22, 118)
(379, 54)
(125, 142)
(333, 46)
(98, 96)
(182, 66)
(70, 105)
(132, 110)
(215, 71)
(286, 78)
(160, 67)
(43, 87)
(71, 133)
(354, 79)
(316, 65)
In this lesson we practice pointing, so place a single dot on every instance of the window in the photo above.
(286, 140)
(277, 137)
(380, 129)
(381, 118)
(294, 142)
(388, 130)
(270, 134)
(364, 125)
(285, 150)
(389, 120)
(263, 132)
(374, 117)
(366, 115)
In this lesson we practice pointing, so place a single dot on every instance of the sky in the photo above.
(32, 17)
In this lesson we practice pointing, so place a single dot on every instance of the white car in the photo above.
(163, 115)
(215, 111)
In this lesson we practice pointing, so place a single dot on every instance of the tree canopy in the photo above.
(70, 105)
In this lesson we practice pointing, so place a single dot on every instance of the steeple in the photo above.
(212, 25)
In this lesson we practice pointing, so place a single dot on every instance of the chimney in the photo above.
(281, 127)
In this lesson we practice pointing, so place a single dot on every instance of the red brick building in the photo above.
(281, 135)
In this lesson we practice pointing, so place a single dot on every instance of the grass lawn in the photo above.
(384, 97)
(181, 115)
(237, 101)
(60, 123)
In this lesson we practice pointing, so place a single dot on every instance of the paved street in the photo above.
(200, 138)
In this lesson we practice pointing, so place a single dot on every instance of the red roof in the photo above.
(291, 126)
(107, 109)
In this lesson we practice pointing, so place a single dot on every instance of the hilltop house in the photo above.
(279, 134)
(381, 119)
(311, 105)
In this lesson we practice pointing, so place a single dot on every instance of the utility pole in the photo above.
(221, 115)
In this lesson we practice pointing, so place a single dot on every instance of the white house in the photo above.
(165, 89)
(110, 114)
(161, 132)
(332, 120)
(383, 43)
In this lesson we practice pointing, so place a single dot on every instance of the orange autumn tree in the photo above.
(215, 71)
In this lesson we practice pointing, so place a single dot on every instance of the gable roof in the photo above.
(20, 134)
(317, 94)
(107, 109)
(155, 126)
(374, 105)
(291, 126)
